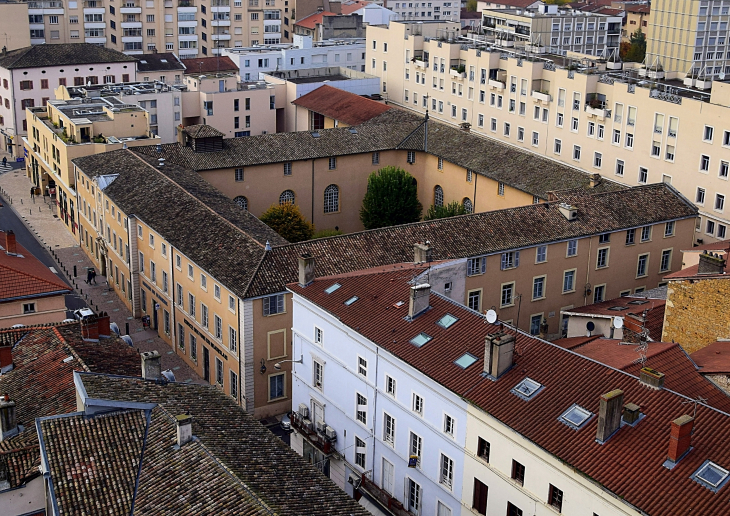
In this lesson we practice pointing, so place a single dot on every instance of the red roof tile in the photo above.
(654, 317)
(714, 358)
(209, 65)
(341, 105)
(351, 7)
(714, 246)
(641, 9)
(310, 22)
(25, 275)
(691, 272)
(630, 464)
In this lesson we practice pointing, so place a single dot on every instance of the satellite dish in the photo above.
(590, 326)
(618, 322)
(491, 316)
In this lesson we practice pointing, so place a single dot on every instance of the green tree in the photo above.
(471, 5)
(288, 221)
(392, 198)
(441, 212)
(637, 52)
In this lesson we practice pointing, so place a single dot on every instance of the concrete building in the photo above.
(29, 292)
(637, 18)
(300, 55)
(427, 11)
(16, 33)
(427, 409)
(508, 4)
(29, 75)
(559, 107)
(554, 30)
(327, 25)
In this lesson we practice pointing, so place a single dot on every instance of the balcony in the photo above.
(383, 497)
(458, 73)
(305, 427)
(542, 96)
(220, 23)
(595, 107)
(130, 8)
(186, 3)
(496, 85)
(221, 37)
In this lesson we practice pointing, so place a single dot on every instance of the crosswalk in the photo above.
(5, 168)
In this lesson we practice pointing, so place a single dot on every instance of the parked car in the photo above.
(83, 313)
(286, 423)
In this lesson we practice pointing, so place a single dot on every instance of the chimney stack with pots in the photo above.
(420, 295)
(422, 252)
(151, 365)
(306, 269)
(711, 264)
(8, 421)
(632, 413)
(11, 247)
(184, 429)
(609, 415)
(680, 438)
(499, 349)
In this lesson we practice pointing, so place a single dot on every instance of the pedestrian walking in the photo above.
(89, 276)
(5, 161)
(93, 276)
(32, 191)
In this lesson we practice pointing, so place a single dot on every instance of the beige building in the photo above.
(16, 34)
(585, 114)
(637, 18)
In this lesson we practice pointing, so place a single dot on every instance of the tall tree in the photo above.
(637, 52)
(392, 198)
(288, 221)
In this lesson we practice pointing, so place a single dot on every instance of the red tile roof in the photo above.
(714, 358)
(654, 317)
(209, 65)
(641, 9)
(691, 272)
(630, 464)
(311, 21)
(722, 245)
(25, 275)
(341, 105)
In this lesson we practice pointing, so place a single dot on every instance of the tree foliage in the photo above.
(324, 233)
(449, 210)
(288, 221)
(392, 198)
(471, 5)
(636, 50)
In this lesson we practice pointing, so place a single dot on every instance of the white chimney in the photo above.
(568, 211)
(422, 252)
(306, 269)
(151, 365)
(499, 349)
(8, 421)
(184, 429)
(419, 300)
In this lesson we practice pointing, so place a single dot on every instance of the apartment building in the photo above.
(300, 55)
(17, 33)
(552, 29)
(637, 18)
(627, 125)
(29, 75)
(426, 11)
(68, 129)
(427, 409)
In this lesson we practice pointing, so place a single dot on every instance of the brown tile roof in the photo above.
(692, 272)
(37, 56)
(26, 276)
(634, 8)
(234, 453)
(714, 358)
(216, 64)
(202, 131)
(41, 382)
(630, 305)
(629, 464)
(341, 105)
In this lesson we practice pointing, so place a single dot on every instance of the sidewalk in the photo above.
(51, 233)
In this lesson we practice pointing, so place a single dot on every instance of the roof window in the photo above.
(711, 475)
(351, 300)
(447, 321)
(465, 360)
(352, 130)
(332, 288)
(143, 61)
(527, 389)
(315, 134)
(638, 302)
(163, 60)
(575, 417)
(618, 308)
(420, 339)
(398, 304)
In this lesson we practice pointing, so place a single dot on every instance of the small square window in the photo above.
(575, 417)
(420, 339)
(465, 360)
(447, 321)
(527, 389)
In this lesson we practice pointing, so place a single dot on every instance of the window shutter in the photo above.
(266, 306)
(280, 303)
(503, 265)
(517, 258)
(483, 259)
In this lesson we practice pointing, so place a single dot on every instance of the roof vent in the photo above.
(499, 349)
(711, 264)
(651, 378)
(595, 180)
(315, 134)
(160, 162)
(568, 211)
(420, 295)
(8, 421)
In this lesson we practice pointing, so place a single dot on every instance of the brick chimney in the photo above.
(609, 414)
(306, 269)
(90, 329)
(11, 247)
(711, 264)
(8, 421)
(420, 295)
(499, 349)
(184, 429)
(104, 325)
(422, 252)
(680, 437)
(6, 358)
(151, 365)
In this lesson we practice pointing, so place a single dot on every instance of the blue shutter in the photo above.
(503, 265)
(517, 258)
(483, 259)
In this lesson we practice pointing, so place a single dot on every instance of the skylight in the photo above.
(618, 308)
(163, 60)
(465, 360)
(638, 302)
(420, 339)
(575, 416)
(398, 304)
(351, 300)
(527, 389)
(143, 61)
(353, 130)
(315, 134)
(711, 474)
(332, 288)
(447, 321)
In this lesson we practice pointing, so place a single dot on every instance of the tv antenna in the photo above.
(695, 401)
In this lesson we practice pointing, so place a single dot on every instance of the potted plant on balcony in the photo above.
(689, 79)
(458, 71)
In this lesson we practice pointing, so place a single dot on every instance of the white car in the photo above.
(83, 313)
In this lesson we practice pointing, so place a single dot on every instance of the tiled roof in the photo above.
(692, 272)
(514, 3)
(629, 464)
(234, 454)
(228, 242)
(654, 317)
(209, 65)
(641, 9)
(37, 56)
(474, 235)
(26, 276)
(159, 62)
(202, 131)
(721, 245)
(311, 21)
(341, 105)
(41, 382)
(714, 358)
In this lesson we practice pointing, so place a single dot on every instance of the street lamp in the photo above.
(277, 365)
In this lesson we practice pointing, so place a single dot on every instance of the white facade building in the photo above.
(427, 11)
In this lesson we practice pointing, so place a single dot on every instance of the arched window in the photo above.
(438, 196)
(286, 197)
(241, 201)
(468, 207)
(331, 199)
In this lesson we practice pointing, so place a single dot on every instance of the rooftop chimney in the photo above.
(10, 247)
(8, 422)
(499, 349)
(6, 358)
(184, 429)
(568, 211)
(680, 437)
(632, 413)
(104, 325)
(651, 378)
(151, 366)
(306, 269)
(609, 414)
(90, 329)
(422, 252)
(711, 264)
(595, 180)
(419, 299)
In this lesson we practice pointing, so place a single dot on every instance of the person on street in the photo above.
(5, 161)
(88, 276)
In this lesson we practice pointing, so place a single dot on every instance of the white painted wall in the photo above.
(31, 497)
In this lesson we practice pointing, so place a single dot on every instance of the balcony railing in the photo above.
(384, 498)
(186, 3)
(45, 5)
(321, 442)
